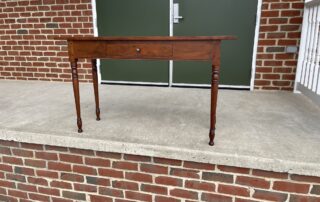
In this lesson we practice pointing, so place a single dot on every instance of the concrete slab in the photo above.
(277, 131)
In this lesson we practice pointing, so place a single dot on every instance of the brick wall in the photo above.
(27, 28)
(28, 52)
(280, 26)
(30, 172)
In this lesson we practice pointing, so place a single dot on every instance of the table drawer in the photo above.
(139, 50)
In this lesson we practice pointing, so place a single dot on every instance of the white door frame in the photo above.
(253, 66)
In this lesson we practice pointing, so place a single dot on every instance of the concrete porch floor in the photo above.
(278, 131)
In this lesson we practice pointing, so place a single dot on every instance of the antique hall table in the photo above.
(193, 48)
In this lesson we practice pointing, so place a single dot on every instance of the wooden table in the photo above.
(195, 48)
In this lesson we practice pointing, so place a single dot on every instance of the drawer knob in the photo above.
(138, 50)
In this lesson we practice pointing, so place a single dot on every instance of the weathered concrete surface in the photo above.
(276, 131)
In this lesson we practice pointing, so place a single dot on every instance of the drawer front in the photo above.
(139, 50)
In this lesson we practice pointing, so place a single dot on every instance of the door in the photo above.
(205, 17)
(133, 18)
(218, 17)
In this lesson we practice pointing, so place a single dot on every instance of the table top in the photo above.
(148, 38)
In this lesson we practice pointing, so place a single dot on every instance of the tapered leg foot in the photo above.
(211, 137)
(79, 123)
(98, 114)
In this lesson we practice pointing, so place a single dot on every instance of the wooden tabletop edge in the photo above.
(147, 38)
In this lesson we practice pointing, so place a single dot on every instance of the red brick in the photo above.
(111, 192)
(81, 151)
(195, 165)
(269, 14)
(84, 187)
(290, 13)
(38, 181)
(220, 177)
(74, 195)
(49, 191)
(154, 169)
(61, 184)
(269, 174)
(18, 194)
(271, 76)
(111, 173)
(141, 177)
(166, 199)
(253, 182)
(72, 177)
(192, 184)
(215, 197)
(184, 193)
(300, 198)
(138, 196)
(291, 187)
(303, 178)
(84, 170)
(31, 146)
(59, 166)
(46, 173)
(27, 187)
(39, 197)
(109, 155)
(131, 157)
(154, 189)
(15, 177)
(8, 198)
(267, 195)
(268, 28)
(24, 170)
(97, 162)
(97, 181)
(47, 156)
(12, 160)
(233, 190)
(244, 200)
(185, 173)
(95, 198)
(55, 199)
(22, 152)
(8, 184)
(167, 161)
(56, 148)
(5, 150)
(5, 167)
(234, 169)
(71, 158)
(168, 181)
(35, 163)
(125, 185)
(125, 165)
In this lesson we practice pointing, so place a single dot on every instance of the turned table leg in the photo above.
(95, 87)
(214, 98)
(75, 82)
(214, 90)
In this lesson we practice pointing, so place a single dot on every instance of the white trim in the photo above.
(173, 84)
(301, 50)
(170, 34)
(255, 45)
(135, 83)
(208, 85)
(95, 33)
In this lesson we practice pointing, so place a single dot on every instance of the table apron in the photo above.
(143, 50)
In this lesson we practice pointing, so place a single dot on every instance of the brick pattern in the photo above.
(27, 48)
(27, 51)
(30, 172)
(280, 26)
